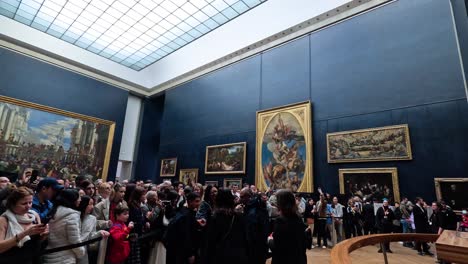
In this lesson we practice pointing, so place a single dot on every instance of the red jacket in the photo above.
(119, 247)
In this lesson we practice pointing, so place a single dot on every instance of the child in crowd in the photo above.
(119, 244)
(464, 222)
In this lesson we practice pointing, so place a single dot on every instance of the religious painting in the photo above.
(168, 167)
(188, 176)
(284, 148)
(453, 191)
(370, 183)
(212, 183)
(228, 183)
(375, 144)
(55, 142)
(226, 159)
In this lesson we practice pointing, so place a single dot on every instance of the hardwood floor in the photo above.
(369, 255)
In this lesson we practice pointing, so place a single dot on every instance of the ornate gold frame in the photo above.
(408, 144)
(392, 170)
(188, 170)
(111, 124)
(437, 182)
(226, 172)
(168, 175)
(302, 112)
(234, 179)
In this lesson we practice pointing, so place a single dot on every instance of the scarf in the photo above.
(14, 225)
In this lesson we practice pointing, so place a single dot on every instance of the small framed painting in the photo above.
(226, 159)
(228, 183)
(188, 176)
(212, 183)
(168, 167)
(453, 191)
(370, 183)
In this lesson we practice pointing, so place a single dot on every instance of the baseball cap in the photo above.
(49, 182)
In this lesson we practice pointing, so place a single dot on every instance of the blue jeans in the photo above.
(404, 225)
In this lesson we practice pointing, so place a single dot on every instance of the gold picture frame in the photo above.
(218, 163)
(168, 167)
(375, 182)
(367, 148)
(92, 148)
(454, 191)
(228, 182)
(186, 174)
(286, 133)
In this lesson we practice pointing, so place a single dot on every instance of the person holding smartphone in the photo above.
(21, 231)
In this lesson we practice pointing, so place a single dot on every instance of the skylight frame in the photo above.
(134, 33)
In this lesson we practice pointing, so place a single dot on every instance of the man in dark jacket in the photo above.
(369, 218)
(257, 223)
(449, 216)
(421, 224)
(384, 220)
(182, 235)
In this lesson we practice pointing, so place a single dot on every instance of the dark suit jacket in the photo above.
(420, 220)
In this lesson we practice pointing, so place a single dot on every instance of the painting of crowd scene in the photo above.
(54, 142)
(376, 144)
(225, 159)
(453, 191)
(284, 153)
(370, 184)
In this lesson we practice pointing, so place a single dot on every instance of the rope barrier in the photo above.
(57, 249)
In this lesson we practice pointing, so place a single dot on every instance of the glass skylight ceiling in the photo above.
(134, 33)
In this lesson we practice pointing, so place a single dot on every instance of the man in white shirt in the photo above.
(337, 213)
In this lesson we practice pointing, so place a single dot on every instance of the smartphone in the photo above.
(34, 175)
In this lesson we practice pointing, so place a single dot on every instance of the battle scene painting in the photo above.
(54, 142)
(375, 144)
(284, 150)
(370, 183)
(226, 159)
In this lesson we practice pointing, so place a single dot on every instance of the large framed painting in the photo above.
(374, 144)
(370, 183)
(168, 167)
(228, 183)
(453, 191)
(55, 142)
(226, 159)
(284, 148)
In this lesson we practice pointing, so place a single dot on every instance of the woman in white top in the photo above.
(88, 229)
(66, 226)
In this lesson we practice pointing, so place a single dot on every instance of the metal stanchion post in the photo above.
(384, 251)
(102, 251)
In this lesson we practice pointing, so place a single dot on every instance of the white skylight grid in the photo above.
(134, 33)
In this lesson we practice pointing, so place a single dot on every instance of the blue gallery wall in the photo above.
(397, 64)
(31, 80)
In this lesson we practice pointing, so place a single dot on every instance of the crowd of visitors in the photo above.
(176, 224)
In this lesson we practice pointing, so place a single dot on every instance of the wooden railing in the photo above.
(341, 251)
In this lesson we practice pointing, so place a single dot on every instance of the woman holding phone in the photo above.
(21, 231)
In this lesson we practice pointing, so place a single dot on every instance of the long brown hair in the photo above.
(134, 200)
(286, 203)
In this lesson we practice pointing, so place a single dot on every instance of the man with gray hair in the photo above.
(4, 181)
